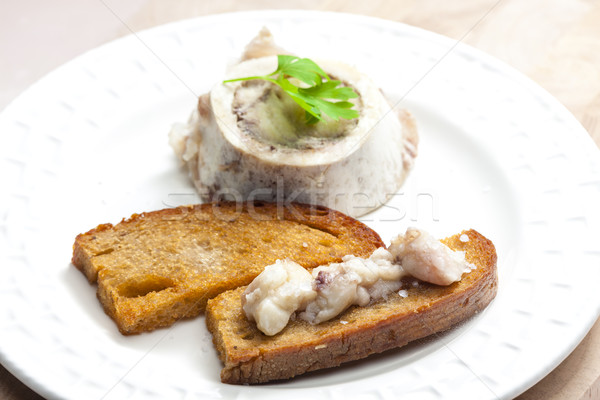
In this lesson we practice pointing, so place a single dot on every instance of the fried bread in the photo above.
(421, 310)
(155, 268)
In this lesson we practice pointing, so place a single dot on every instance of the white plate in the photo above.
(88, 144)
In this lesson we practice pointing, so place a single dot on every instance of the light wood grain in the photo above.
(576, 378)
(554, 42)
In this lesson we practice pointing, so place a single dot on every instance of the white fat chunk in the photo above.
(275, 294)
(285, 288)
(426, 258)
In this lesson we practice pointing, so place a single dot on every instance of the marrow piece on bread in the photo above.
(250, 357)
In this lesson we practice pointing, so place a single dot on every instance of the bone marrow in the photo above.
(249, 140)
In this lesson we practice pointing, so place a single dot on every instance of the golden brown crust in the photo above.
(251, 357)
(157, 267)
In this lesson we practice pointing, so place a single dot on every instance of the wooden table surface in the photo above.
(554, 42)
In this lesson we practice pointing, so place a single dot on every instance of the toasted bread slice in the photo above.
(157, 267)
(252, 357)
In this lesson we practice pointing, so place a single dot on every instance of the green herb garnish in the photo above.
(317, 93)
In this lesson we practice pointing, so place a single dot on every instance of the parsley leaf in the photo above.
(317, 93)
(303, 69)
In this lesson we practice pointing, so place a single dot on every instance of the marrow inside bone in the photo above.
(249, 139)
(267, 114)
